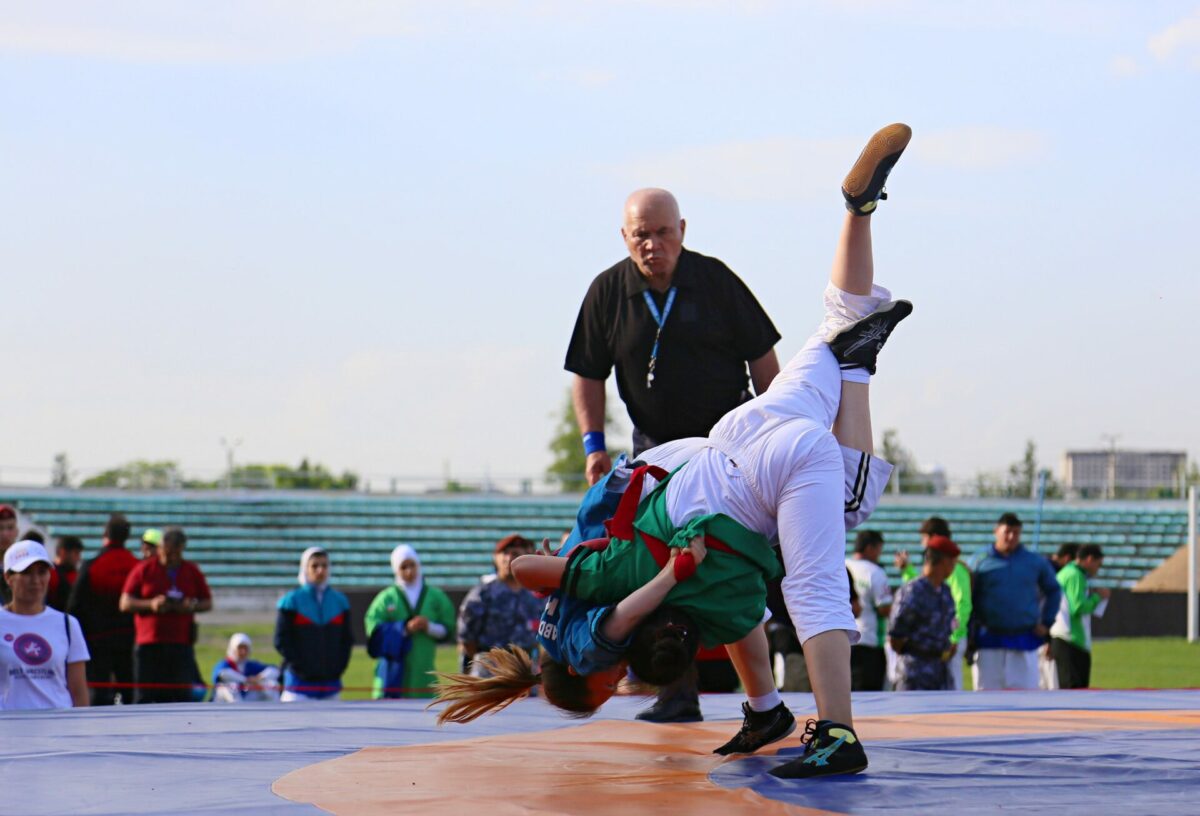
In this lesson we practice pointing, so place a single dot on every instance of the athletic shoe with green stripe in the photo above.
(829, 748)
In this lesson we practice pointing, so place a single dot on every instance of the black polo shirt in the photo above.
(715, 326)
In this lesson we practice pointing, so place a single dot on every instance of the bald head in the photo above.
(653, 233)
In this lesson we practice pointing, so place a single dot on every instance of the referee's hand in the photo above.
(598, 464)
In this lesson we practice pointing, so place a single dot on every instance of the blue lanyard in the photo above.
(660, 321)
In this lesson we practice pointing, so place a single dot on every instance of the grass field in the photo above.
(1118, 663)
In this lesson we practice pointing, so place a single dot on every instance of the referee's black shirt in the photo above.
(715, 326)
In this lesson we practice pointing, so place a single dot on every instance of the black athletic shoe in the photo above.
(858, 345)
(829, 748)
(759, 728)
(863, 186)
(680, 707)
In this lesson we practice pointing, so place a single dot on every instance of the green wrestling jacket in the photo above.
(726, 595)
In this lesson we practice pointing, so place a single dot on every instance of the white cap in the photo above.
(23, 554)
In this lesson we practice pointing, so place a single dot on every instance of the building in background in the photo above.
(1119, 474)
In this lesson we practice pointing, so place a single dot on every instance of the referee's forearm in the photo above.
(588, 398)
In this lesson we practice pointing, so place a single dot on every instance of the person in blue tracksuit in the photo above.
(313, 633)
(1015, 597)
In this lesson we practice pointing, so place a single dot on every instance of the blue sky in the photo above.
(361, 231)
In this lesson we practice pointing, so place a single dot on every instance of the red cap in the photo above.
(513, 541)
(943, 545)
(7, 512)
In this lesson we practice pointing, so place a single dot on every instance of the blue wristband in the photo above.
(593, 442)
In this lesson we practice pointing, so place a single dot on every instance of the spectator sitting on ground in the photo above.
(165, 594)
(923, 619)
(314, 633)
(68, 552)
(405, 623)
(150, 541)
(238, 679)
(95, 601)
(43, 654)
(499, 612)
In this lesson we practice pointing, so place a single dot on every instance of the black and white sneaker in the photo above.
(759, 728)
(858, 345)
(863, 186)
(829, 748)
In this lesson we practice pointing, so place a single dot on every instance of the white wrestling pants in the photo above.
(1005, 669)
(773, 465)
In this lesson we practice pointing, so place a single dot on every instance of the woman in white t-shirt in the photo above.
(43, 655)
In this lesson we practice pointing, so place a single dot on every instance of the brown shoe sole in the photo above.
(886, 142)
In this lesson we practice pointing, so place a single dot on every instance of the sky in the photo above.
(360, 231)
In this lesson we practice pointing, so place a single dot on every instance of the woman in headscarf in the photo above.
(405, 623)
(313, 633)
(238, 679)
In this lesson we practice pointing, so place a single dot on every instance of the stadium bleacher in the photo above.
(254, 540)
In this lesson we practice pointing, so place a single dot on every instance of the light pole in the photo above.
(229, 448)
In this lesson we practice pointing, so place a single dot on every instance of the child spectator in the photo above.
(313, 633)
(238, 679)
(922, 621)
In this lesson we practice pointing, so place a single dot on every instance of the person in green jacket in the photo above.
(1071, 634)
(405, 623)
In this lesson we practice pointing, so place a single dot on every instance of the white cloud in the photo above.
(791, 169)
(218, 32)
(980, 147)
(1125, 66)
(1181, 36)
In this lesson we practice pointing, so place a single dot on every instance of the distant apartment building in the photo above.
(1124, 473)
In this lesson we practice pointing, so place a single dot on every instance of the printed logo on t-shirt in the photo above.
(32, 649)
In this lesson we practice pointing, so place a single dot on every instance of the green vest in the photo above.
(726, 596)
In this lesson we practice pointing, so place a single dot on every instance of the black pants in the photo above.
(111, 662)
(868, 666)
(1074, 665)
(164, 663)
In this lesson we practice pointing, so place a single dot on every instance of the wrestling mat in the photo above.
(1061, 752)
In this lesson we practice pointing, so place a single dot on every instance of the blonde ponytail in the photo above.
(468, 697)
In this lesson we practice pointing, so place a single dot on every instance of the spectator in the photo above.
(150, 541)
(42, 651)
(68, 552)
(35, 535)
(1047, 668)
(680, 328)
(499, 612)
(165, 594)
(868, 663)
(8, 537)
(238, 679)
(959, 583)
(923, 620)
(314, 633)
(95, 600)
(1065, 555)
(405, 623)
(1015, 600)
(1071, 634)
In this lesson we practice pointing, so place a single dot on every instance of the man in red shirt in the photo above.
(95, 601)
(164, 594)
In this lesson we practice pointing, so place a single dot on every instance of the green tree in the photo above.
(569, 460)
(911, 479)
(1023, 476)
(140, 474)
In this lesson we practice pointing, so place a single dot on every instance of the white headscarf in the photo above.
(236, 640)
(304, 559)
(412, 590)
